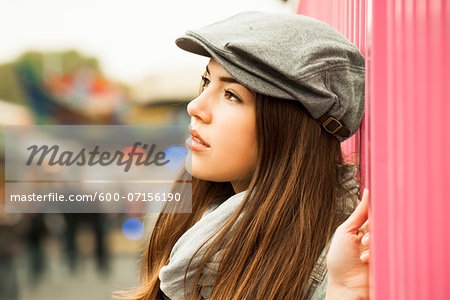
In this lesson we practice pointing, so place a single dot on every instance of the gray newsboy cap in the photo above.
(291, 57)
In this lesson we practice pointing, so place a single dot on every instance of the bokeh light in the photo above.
(176, 155)
(133, 229)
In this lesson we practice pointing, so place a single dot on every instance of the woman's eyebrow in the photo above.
(224, 78)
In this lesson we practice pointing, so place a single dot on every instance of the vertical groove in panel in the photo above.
(338, 15)
(445, 112)
(443, 257)
(346, 19)
(365, 133)
(400, 137)
(425, 153)
(341, 16)
(424, 219)
(418, 70)
(379, 76)
(395, 93)
(366, 9)
(391, 80)
(435, 136)
(333, 9)
(351, 21)
(338, 24)
(421, 132)
(357, 22)
(419, 93)
(364, 24)
(409, 111)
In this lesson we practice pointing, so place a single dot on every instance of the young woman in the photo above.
(270, 186)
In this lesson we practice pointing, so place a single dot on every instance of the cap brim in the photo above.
(192, 45)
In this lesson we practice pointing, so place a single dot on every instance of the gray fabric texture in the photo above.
(172, 275)
(288, 56)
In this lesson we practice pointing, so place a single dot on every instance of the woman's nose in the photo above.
(199, 109)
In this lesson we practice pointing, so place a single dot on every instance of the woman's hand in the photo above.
(348, 257)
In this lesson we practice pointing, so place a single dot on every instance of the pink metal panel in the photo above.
(405, 148)
(409, 167)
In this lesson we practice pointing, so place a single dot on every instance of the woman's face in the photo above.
(223, 130)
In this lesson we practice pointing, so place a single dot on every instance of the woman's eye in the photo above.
(205, 82)
(232, 97)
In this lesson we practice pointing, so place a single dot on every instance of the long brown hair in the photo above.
(296, 205)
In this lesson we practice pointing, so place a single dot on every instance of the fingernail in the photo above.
(365, 240)
(364, 256)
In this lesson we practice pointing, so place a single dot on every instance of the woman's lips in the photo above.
(195, 141)
(192, 144)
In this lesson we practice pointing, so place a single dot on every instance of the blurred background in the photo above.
(92, 62)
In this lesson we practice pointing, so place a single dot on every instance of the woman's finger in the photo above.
(363, 230)
(360, 215)
(365, 256)
(365, 240)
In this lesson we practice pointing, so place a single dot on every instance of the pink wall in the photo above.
(407, 125)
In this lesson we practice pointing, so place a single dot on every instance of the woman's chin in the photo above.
(192, 167)
(188, 163)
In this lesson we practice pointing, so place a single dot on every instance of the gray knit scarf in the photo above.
(172, 275)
